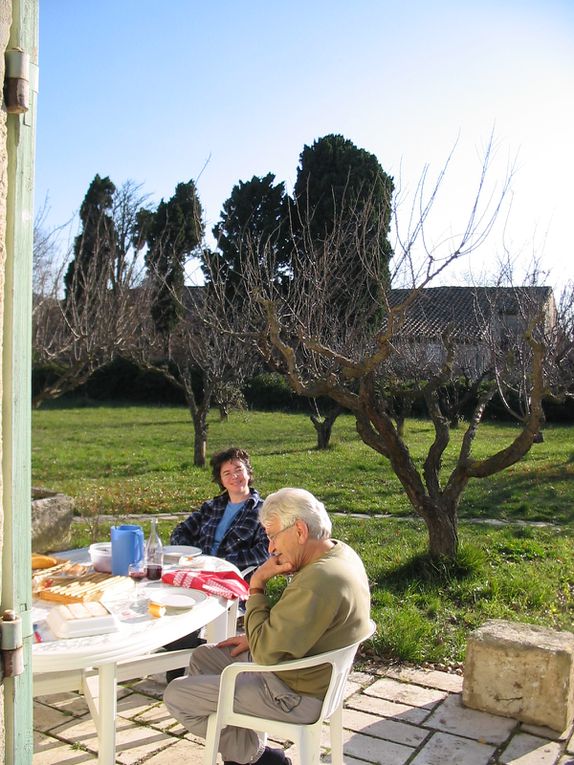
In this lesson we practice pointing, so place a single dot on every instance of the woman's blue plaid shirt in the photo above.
(245, 542)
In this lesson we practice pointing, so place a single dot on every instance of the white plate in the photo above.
(205, 563)
(177, 597)
(176, 551)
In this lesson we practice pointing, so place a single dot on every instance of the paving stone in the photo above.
(445, 749)
(362, 678)
(351, 688)
(47, 718)
(79, 731)
(524, 749)
(570, 745)
(375, 750)
(293, 755)
(385, 708)
(74, 703)
(135, 742)
(293, 751)
(50, 751)
(181, 751)
(391, 730)
(542, 732)
(452, 717)
(566, 760)
(135, 704)
(403, 693)
(159, 717)
(430, 678)
(178, 730)
(153, 686)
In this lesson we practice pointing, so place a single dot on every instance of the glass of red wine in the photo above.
(137, 572)
(154, 571)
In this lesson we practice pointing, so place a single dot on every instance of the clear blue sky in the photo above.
(221, 90)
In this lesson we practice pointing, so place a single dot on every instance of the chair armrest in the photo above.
(231, 672)
(249, 666)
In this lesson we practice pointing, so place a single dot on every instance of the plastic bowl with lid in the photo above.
(101, 557)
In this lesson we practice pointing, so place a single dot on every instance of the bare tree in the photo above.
(368, 354)
(76, 335)
(323, 424)
(206, 364)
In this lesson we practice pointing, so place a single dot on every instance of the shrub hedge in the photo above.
(123, 381)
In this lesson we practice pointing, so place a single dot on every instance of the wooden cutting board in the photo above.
(84, 588)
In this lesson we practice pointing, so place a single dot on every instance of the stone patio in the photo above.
(393, 716)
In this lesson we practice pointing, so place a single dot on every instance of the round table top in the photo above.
(139, 632)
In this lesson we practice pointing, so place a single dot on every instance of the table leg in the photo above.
(100, 692)
(107, 714)
(222, 627)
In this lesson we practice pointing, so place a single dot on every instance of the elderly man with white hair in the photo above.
(325, 606)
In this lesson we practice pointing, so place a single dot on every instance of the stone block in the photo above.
(521, 671)
(52, 515)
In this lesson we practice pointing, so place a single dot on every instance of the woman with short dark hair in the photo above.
(227, 525)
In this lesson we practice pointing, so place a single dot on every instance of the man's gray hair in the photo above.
(290, 505)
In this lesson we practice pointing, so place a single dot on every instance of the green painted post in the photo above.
(16, 374)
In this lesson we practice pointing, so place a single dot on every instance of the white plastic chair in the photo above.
(307, 737)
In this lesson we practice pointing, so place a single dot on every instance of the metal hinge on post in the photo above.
(12, 651)
(17, 81)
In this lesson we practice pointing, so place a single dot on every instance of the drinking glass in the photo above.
(137, 572)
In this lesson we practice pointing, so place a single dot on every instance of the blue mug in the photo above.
(127, 548)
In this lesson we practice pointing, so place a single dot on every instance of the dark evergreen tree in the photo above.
(172, 233)
(253, 233)
(343, 205)
(94, 247)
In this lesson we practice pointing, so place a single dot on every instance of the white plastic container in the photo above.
(81, 620)
(101, 557)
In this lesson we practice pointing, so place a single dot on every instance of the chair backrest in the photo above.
(341, 661)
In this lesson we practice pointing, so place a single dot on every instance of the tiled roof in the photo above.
(466, 310)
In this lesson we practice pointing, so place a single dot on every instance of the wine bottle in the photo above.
(154, 553)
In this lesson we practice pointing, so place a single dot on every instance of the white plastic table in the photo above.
(93, 665)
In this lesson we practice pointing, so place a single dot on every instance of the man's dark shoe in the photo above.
(171, 674)
(273, 757)
(269, 757)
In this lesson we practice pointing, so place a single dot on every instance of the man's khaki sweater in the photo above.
(325, 606)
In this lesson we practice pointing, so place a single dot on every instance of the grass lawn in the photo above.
(121, 460)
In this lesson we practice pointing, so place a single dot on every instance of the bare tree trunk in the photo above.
(400, 422)
(198, 414)
(442, 526)
(200, 437)
(324, 427)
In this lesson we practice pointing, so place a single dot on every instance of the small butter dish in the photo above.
(81, 620)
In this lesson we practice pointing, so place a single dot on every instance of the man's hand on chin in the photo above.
(273, 566)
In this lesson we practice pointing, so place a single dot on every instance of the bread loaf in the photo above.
(42, 561)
